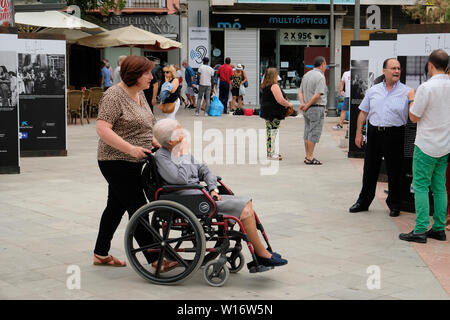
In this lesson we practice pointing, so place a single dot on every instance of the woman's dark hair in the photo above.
(133, 67)
(4, 69)
(439, 59)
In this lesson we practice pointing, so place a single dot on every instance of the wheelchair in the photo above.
(188, 230)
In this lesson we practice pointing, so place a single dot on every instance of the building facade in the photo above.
(280, 33)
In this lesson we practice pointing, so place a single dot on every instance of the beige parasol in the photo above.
(131, 37)
(55, 19)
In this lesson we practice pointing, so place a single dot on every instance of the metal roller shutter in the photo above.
(242, 46)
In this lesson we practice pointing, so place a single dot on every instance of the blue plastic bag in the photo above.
(216, 107)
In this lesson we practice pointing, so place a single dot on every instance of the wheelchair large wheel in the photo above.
(166, 230)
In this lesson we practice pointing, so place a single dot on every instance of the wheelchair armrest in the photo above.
(173, 187)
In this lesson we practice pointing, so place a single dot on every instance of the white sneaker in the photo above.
(196, 113)
(337, 127)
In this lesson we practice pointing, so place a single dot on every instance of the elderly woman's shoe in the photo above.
(274, 261)
(275, 254)
(109, 261)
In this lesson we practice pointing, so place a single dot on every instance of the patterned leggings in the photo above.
(272, 127)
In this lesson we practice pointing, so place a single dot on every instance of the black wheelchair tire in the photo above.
(149, 209)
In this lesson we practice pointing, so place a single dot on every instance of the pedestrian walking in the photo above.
(225, 72)
(385, 106)
(345, 84)
(430, 110)
(206, 76)
(106, 77)
(314, 90)
(191, 81)
(125, 127)
(273, 109)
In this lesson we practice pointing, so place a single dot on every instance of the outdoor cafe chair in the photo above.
(95, 95)
(74, 102)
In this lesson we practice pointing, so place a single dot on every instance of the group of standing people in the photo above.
(386, 107)
(234, 81)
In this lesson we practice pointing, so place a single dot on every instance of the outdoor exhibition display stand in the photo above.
(42, 94)
(9, 116)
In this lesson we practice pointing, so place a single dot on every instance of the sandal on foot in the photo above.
(314, 161)
(166, 266)
(109, 261)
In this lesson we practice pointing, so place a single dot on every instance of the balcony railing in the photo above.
(146, 4)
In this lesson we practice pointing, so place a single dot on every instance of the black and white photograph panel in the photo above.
(416, 72)
(8, 79)
(359, 78)
(41, 74)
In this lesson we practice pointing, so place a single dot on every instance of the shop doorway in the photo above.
(291, 66)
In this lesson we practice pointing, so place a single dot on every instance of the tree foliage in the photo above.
(104, 6)
(430, 11)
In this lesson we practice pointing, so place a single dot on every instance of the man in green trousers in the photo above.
(431, 111)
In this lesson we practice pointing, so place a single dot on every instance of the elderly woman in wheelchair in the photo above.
(186, 214)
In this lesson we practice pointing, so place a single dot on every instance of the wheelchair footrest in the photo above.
(252, 268)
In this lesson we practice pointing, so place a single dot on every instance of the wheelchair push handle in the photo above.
(154, 149)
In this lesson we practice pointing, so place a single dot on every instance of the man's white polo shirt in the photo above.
(432, 105)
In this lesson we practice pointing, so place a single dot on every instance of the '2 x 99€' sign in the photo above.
(310, 37)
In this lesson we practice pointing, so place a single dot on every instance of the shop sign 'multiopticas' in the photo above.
(258, 21)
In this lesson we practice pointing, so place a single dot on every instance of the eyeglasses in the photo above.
(395, 68)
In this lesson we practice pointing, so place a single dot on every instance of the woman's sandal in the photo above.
(109, 261)
(314, 161)
(166, 266)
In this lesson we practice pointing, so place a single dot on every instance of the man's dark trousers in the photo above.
(224, 94)
(388, 143)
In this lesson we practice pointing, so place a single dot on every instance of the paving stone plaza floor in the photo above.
(49, 216)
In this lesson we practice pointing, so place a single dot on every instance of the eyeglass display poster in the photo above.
(9, 114)
(42, 96)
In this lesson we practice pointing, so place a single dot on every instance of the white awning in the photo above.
(55, 19)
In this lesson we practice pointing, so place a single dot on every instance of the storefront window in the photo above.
(291, 65)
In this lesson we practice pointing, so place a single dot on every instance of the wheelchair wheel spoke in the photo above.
(160, 262)
(168, 226)
(177, 257)
(151, 230)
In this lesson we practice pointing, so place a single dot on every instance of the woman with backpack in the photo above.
(273, 109)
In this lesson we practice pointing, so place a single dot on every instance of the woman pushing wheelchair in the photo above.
(177, 166)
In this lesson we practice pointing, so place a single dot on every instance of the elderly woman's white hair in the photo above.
(165, 130)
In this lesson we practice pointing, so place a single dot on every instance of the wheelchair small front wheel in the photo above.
(216, 274)
(235, 262)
